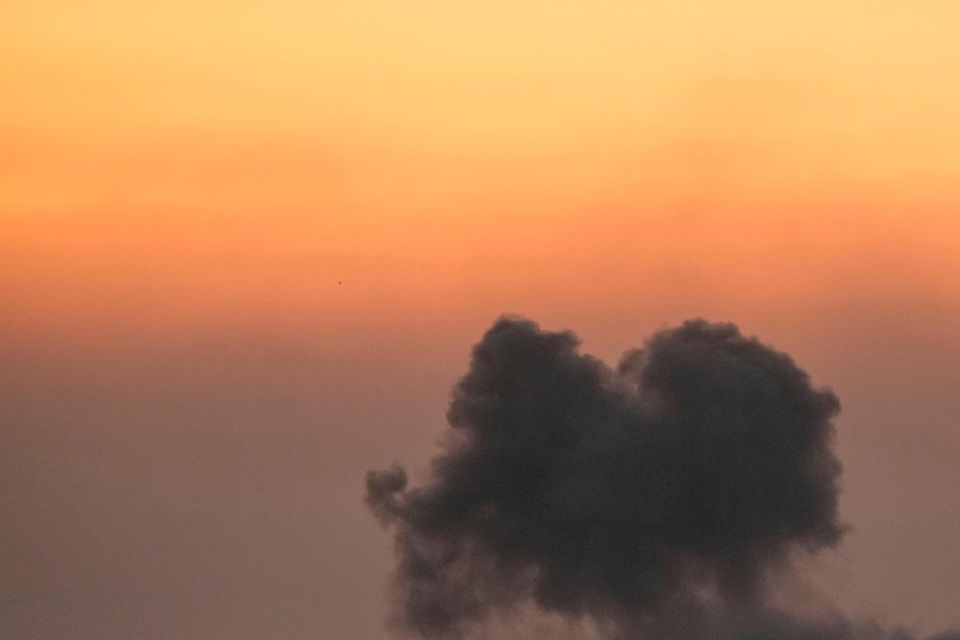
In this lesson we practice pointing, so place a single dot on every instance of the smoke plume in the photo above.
(658, 499)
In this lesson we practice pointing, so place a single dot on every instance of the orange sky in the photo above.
(203, 140)
(316, 109)
(184, 184)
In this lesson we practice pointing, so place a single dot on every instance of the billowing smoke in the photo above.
(658, 499)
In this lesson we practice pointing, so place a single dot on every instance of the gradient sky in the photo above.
(188, 398)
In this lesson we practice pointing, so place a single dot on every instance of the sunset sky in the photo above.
(246, 247)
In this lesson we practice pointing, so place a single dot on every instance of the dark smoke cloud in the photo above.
(658, 498)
